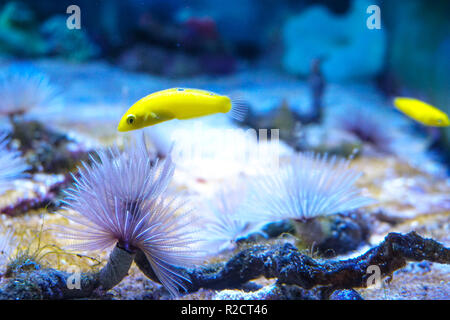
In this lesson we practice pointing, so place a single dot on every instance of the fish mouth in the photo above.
(122, 128)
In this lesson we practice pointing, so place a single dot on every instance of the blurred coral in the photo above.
(317, 33)
(203, 27)
(19, 34)
(73, 45)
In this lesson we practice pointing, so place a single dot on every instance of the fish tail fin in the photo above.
(239, 108)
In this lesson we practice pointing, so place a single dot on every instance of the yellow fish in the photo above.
(422, 112)
(178, 103)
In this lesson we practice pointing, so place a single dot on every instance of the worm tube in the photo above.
(116, 269)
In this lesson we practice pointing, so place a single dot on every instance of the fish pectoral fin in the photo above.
(157, 117)
(154, 115)
(163, 116)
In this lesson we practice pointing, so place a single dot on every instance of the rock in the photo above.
(271, 292)
(348, 294)
(275, 229)
(334, 141)
(48, 150)
(334, 235)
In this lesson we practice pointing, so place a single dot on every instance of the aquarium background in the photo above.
(322, 72)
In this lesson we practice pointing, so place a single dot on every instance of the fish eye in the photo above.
(130, 119)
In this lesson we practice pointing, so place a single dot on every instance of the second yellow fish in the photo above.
(422, 112)
(177, 103)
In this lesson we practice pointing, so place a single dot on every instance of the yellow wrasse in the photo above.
(422, 112)
(177, 103)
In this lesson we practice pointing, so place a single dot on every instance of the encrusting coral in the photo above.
(12, 166)
(121, 200)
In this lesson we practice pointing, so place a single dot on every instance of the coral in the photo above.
(121, 200)
(23, 88)
(339, 40)
(73, 45)
(311, 185)
(12, 166)
(18, 31)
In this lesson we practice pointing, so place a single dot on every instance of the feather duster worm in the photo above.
(121, 201)
(311, 185)
(12, 166)
(226, 224)
(22, 89)
(5, 248)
